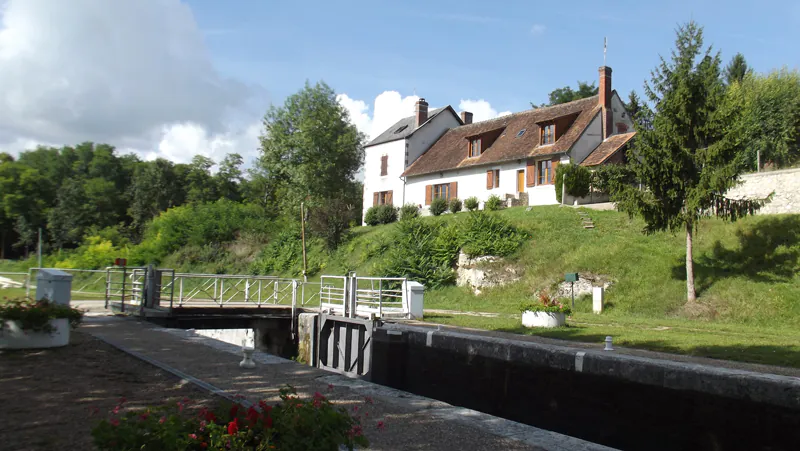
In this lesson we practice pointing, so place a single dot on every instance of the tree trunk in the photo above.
(691, 295)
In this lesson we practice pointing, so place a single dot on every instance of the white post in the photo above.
(598, 294)
(54, 285)
(416, 292)
(40, 247)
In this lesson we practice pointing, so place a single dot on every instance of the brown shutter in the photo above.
(375, 199)
(384, 164)
(555, 166)
(389, 198)
(489, 179)
(428, 194)
(530, 173)
(453, 190)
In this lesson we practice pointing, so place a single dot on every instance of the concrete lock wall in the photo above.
(784, 183)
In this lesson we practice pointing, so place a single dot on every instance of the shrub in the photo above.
(371, 216)
(35, 316)
(493, 203)
(409, 211)
(331, 221)
(471, 203)
(489, 234)
(438, 206)
(292, 424)
(545, 304)
(283, 254)
(387, 214)
(455, 205)
(422, 251)
(578, 180)
(608, 177)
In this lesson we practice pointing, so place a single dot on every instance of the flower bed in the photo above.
(292, 424)
(545, 313)
(26, 324)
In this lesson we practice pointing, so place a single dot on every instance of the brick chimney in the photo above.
(466, 117)
(605, 101)
(421, 112)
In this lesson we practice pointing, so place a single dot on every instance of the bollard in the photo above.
(608, 347)
(597, 299)
(247, 352)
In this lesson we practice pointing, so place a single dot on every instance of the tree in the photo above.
(155, 187)
(770, 120)
(200, 186)
(310, 152)
(567, 94)
(737, 69)
(634, 105)
(229, 178)
(688, 158)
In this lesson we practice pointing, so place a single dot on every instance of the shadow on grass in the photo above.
(767, 251)
(786, 356)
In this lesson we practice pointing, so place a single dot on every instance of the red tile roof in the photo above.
(607, 148)
(451, 150)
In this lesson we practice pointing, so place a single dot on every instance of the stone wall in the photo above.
(785, 183)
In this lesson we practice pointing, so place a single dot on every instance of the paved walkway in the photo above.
(411, 422)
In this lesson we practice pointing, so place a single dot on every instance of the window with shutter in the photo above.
(385, 165)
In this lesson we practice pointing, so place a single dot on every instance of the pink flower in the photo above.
(380, 425)
(144, 416)
(355, 408)
(330, 387)
(116, 410)
(114, 422)
(193, 436)
(162, 420)
(368, 399)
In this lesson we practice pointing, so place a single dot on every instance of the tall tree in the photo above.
(200, 186)
(229, 178)
(688, 158)
(155, 187)
(310, 151)
(736, 70)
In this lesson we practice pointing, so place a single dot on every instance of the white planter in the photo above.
(13, 337)
(543, 319)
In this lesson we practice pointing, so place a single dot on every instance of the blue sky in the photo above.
(507, 52)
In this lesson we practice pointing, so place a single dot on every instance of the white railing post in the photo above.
(180, 291)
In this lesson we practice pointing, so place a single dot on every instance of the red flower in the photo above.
(114, 422)
(252, 415)
(330, 387)
(233, 426)
(210, 417)
(180, 406)
(162, 420)
(144, 416)
(268, 422)
(234, 410)
(263, 404)
(193, 436)
(204, 445)
(116, 410)
(380, 425)
(368, 400)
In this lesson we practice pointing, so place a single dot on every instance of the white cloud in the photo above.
(389, 107)
(481, 110)
(132, 73)
(538, 29)
(180, 142)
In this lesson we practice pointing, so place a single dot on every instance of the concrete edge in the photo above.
(770, 389)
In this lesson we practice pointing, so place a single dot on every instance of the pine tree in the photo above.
(687, 159)
(737, 69)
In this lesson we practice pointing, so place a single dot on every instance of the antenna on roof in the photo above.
(605, 49)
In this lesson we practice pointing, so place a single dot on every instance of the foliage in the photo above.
(292, 424)
(387, 214)
(545, 304)
(471, 203)
(688, 159)
(490, 234)
(455, 205)
(438, 206)
(283, 254)
(567, 94)
(380, 214)
(310, 151)
(736, 70)
(423, 251)
(331, 221)
(770, 119)
(36, 316)
(493, 203)
(579, 180)
(409, 211)
(608, 176)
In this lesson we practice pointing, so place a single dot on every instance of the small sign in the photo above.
(571, 277)
(120, 262)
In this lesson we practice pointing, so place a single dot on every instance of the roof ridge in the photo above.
(533, 110)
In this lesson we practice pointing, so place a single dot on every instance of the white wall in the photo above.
(617, 111)
(374, 182)
(589, 140)
(425, 137)
(471, 182)
(784, 183)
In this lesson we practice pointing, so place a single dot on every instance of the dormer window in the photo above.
(475, 148)
(548, 134)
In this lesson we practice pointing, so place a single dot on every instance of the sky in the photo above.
(177, 78)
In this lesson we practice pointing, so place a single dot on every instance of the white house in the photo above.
(510, 156)
(389, 154)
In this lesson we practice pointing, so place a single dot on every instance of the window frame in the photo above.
(382, 196)
(495, 178)
(437, 190)
(548, 134)
(472, 142)
(545, 170)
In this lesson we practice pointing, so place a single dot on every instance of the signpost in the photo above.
(571, 277)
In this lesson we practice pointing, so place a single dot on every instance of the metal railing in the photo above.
(353, 296)
(14, 280)
(242, 290)
(87, 282)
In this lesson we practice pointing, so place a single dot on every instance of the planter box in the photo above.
(543, 319)
(13, 337)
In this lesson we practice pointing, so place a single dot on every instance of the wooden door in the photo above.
(521, 181)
